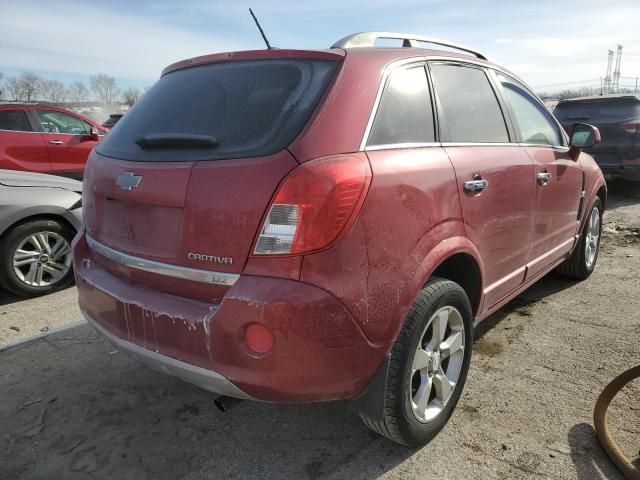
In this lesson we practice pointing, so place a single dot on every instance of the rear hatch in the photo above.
(186, 177)
(618, 119)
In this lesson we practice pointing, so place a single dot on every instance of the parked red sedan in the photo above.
(45, 139)
(305, 226)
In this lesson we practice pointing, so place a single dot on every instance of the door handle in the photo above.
(543, 178)
(476, 185)
(56, 142)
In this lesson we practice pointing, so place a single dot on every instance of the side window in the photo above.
(404, 114)
(532, 119)
(470, 110)
(59, 122)
(15, 120)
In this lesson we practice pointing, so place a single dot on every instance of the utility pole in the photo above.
(607, 78)
(635, 90)
(616, 72)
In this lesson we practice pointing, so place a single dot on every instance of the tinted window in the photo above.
(597, 110)
(252, 108)
(14, 120)
(404, 114)
(470, 109)
(57, 122)
(532, 119)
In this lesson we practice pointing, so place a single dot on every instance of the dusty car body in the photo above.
(339, 231)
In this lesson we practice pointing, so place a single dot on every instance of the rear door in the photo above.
(21, 147)
(558, 176)
(495, 176)
(68, 140)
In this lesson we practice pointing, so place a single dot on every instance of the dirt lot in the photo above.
(73, 408)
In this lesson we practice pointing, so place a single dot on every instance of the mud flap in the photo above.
(370, 402)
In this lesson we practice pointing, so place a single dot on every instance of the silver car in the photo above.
(39, 216)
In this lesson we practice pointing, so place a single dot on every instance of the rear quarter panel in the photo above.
(410, 222)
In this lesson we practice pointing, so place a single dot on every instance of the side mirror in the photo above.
(583, 135)
(93, 133)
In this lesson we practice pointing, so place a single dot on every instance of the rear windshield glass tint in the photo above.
(598, 110)
(252, 108)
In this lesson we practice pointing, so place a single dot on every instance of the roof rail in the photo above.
(367, 39)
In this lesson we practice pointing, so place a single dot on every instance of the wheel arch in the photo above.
(58, 217)
(456, 259)
(463, 269)
(602, 195)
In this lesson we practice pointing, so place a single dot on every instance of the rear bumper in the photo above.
(319, 352)
(625, 171)
(201, 377)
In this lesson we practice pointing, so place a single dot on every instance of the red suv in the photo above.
(305, 226)
(38, 138)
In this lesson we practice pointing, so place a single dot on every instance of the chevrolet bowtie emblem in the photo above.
(128, 181)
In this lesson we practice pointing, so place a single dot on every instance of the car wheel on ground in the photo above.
(429, 365)
(583, 259)
(35, 258)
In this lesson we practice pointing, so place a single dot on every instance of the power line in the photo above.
(592, 81)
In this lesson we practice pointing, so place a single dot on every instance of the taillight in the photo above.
(315, 205)
(631, 127)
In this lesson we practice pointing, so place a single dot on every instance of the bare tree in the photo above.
(131, 95)
(13, 88)
(54, 91)
(105, 87)
(78, 92)
(31, 85)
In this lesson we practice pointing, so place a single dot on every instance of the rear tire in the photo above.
(583, 260)
(432, 351)
(35, 258)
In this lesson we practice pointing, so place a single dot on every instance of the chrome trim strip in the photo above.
(480, 144)
(201, 377)
(367, 39)
(168, 270)
(395, 146)
(558, 148)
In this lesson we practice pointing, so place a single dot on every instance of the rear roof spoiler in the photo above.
(277, 53)
(368, 39)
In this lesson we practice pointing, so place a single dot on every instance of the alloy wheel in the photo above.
(593, 238)
(42, 259)
(437, 363)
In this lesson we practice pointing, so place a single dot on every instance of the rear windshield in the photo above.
(598, 110)
(251, 108)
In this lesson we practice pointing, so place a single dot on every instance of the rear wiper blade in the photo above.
(180, 140)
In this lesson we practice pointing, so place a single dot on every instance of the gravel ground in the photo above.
(72, 408)
(20, 318)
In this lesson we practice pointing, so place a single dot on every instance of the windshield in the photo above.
(251, 108)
